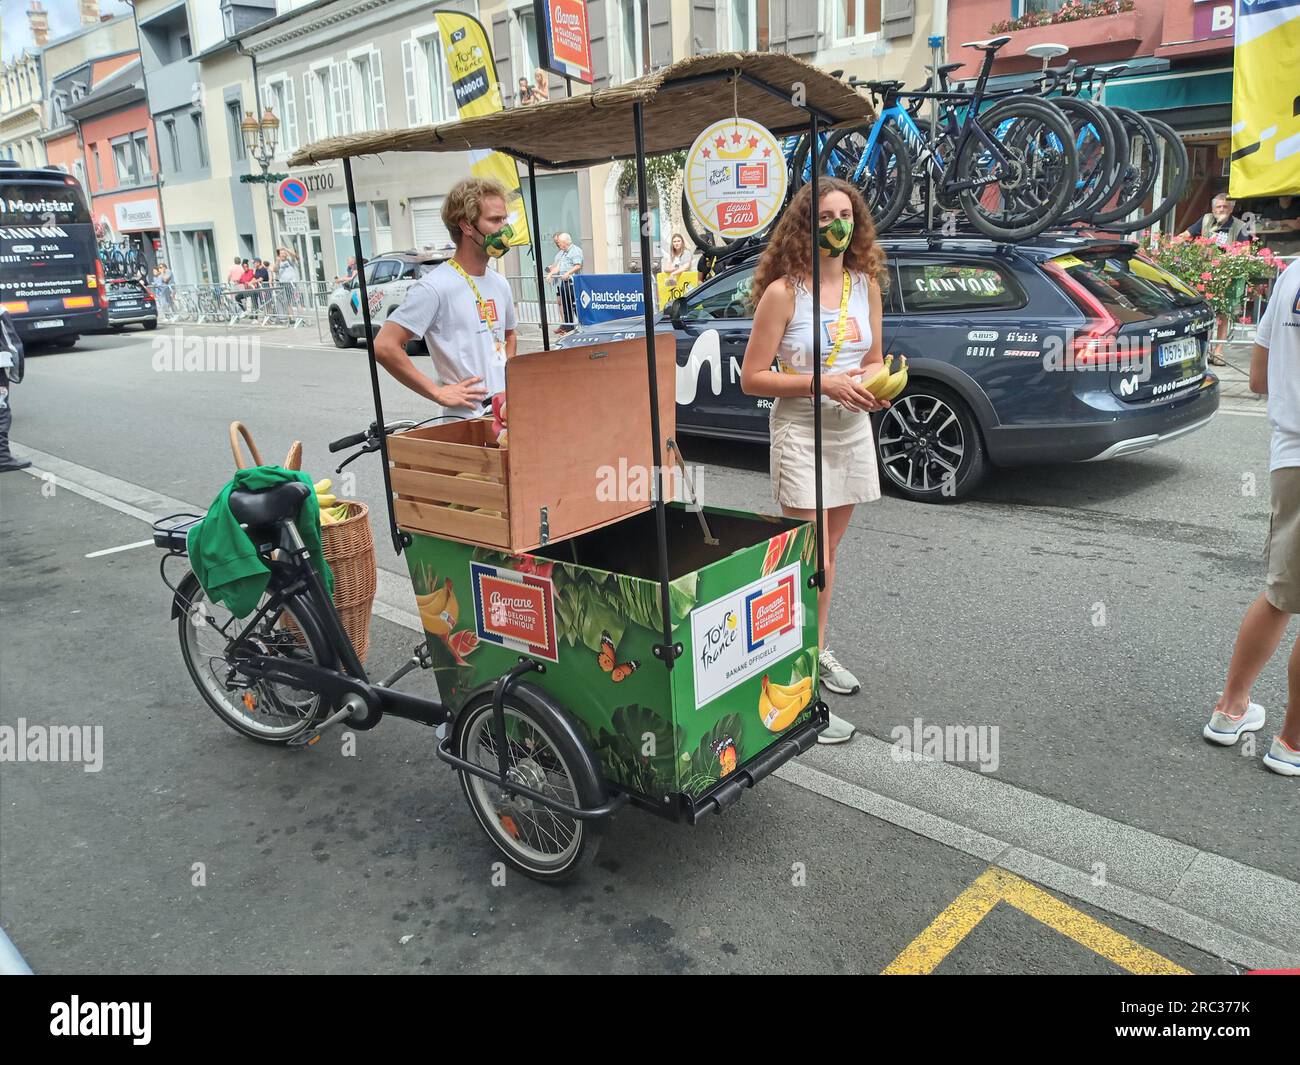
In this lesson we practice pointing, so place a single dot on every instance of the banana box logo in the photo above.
(515, 610)
(745, 633)
(1265, 158)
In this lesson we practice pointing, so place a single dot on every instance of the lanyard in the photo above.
(841, 323)
(484, 309)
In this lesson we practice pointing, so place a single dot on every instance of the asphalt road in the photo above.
(1086, 612)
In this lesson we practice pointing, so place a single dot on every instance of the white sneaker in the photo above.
(1226, 730)
(837, 731)
(1282, 759)
(835, 676)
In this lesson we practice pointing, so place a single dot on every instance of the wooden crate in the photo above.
(577, 416)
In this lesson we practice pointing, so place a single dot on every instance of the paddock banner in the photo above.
(474, 83)
(1265, 102)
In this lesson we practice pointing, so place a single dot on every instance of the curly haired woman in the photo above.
(851, 270)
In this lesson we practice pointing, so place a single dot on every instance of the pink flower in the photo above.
(1207, 277)
(1200, 288)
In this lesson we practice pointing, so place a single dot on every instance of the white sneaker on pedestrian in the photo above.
(1282, 759)
(838, 731)
(1226, 730)
(835, 676)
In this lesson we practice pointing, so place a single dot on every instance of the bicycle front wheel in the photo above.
(1172, 171)
(1024, 186)
(884, 179)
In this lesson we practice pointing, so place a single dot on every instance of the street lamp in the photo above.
(260, 141)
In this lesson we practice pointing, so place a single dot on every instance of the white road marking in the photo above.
(1244, 413)
(124, 547)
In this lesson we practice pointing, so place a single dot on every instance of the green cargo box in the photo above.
(589, 608)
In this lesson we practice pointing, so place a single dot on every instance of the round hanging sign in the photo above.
(735, 178)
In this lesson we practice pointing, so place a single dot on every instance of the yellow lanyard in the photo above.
(484, 309)
(841, 323)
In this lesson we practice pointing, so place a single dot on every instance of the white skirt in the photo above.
(849, 473)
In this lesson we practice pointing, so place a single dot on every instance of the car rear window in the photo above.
(958, 286)
(1131, 287)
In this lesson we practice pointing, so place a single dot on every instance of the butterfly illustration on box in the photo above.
(617, 670)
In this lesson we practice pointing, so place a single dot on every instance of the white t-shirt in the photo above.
(1279, 331)
(441, 308)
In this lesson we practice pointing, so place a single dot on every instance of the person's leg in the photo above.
(1291, 726)
(7, 460)
(1260, 633)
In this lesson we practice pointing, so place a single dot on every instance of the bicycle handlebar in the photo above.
(350, 441)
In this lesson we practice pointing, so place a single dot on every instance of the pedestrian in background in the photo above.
(541, 89)
(567, 263)
(526, 95)
(11, 372)
(1223, 227)
(1275, 372)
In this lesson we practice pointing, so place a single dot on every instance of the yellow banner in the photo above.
(1266, 139)
(474, 83)
(670, 290)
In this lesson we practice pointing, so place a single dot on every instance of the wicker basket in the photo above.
(349, 549)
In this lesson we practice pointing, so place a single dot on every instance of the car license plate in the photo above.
(1177, 351)
(48, 323)
(123, 306)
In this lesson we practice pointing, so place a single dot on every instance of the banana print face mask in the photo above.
(498, 243)
(834, 237)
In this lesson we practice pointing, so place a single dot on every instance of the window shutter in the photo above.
(341, 85)
(776, 32)
(309, 102)
(290, 114)
(896, 17)
(802, 33)
(501, 57)
(408, 82)
(377, 83)
(704, 26)
(661, 33)
(598, 30)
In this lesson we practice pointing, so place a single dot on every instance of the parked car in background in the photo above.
(1066, 348)
(388, 277)
(130, 303)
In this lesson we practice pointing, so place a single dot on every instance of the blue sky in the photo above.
(63, 16)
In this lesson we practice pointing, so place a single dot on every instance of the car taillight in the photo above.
(149, 296)
(99, 283)
(1097, 345)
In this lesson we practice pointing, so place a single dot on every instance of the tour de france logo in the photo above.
(735, 177)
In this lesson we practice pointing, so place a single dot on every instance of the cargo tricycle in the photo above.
(597, 637)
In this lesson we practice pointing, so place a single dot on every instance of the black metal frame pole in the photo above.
(537, 253)
(400, 539)
(667, 651)
(814, 207)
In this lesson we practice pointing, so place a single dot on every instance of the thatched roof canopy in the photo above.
(677, 102)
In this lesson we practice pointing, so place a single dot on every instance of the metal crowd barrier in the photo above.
(298, 303)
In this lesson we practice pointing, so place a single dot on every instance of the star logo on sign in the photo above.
(735, 138)
(705, 153)
(767, 152)
(721, 142)
(753, 143)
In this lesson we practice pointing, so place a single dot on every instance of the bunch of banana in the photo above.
(331, 510)
(780, 704)
(439, 610)
(884, 384)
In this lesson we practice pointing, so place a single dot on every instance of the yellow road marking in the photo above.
(994, 885)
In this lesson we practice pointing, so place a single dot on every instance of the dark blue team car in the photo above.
(1067, 348)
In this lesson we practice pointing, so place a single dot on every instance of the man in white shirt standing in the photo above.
(463, 310)
(1275, 371)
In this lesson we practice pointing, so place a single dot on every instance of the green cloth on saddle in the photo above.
(224, 558)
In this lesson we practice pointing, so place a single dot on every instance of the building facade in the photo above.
(21, 105)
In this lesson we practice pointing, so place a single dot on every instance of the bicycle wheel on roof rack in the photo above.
(1139, 175)
(1172, 171)
(884, 179)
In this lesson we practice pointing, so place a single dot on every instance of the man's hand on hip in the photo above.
(467, 393)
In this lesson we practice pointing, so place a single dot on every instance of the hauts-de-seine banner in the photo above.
(474, 83)
(1266, 99)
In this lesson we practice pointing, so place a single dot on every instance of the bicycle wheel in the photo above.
(262, 710)
(1172, 168)
(545, 753)
(1094, 145)
(885, 179)
(1027, 192)
(1118, 167)
(1139, 175)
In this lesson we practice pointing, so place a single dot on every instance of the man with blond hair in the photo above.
(463, 310)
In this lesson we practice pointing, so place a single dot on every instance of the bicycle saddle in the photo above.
(260, 509)
(947, 68)
(991, 45)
